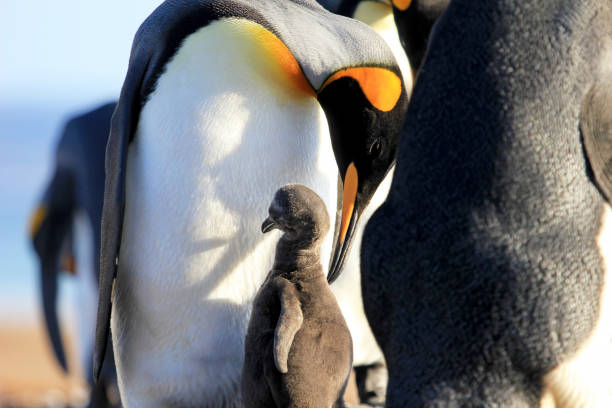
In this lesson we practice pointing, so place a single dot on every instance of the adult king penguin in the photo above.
(68, 217)
(380, 15)
(223, 103)
(484, 273)
(370, 369)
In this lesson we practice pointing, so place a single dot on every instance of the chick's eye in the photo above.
(375, 149)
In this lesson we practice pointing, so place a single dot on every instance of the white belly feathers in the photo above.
(217, 137)
(584, 380)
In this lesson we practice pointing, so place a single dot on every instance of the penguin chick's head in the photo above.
(299, 212)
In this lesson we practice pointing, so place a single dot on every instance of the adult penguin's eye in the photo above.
(375, 149)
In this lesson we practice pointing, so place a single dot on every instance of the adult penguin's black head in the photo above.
(365, 109)
(414, 20)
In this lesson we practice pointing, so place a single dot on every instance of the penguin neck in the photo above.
(296, 260)
(380, 17)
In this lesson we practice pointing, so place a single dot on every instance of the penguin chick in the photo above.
(298, 349)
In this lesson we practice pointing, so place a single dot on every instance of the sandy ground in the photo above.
(31, 378)
(29, 373)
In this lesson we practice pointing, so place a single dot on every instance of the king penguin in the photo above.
(65, 232)
(222, 103)
(370, 369)
(486, 272)
(369, 362)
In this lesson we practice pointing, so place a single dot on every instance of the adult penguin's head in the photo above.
(365, 109)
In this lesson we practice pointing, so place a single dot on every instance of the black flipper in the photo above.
(49, 278)
(51, 225)
(122, 127)
(596, 129)
(156, 41)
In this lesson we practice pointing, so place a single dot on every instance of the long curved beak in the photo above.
(348, 221)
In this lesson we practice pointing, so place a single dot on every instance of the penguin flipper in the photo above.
(50, 225)
(49, 275)
(289, 322)
(123, 127)
(155, 43)
(167, 25)
(596, 129)
(112, 220)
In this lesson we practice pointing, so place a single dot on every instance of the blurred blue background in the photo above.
(57, 58)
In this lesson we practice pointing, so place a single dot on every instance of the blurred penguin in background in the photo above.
(486, 272)
(65, 233)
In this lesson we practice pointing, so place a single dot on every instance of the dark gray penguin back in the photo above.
(482, 271)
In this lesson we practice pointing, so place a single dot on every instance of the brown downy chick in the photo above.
(298, 349)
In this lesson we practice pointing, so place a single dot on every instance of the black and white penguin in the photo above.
(65, 233)
(485, 273)
(368, 359)
(222, 103)
(380, 15)
(298, 348)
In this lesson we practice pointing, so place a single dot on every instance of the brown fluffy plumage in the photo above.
(298, 349)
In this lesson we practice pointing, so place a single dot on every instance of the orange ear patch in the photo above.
(381, 87)
(36, 220)
(278, 53)
(401, 4)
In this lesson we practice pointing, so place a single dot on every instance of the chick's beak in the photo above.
(268, 225)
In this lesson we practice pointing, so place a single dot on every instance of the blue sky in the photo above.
(57, 58)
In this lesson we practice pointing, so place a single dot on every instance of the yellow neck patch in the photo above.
(377, 15)
(381, 87)
(401, 4)
(36, 219)
(277, 53)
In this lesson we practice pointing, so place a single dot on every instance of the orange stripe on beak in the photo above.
(349, 195)
(401, 4)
